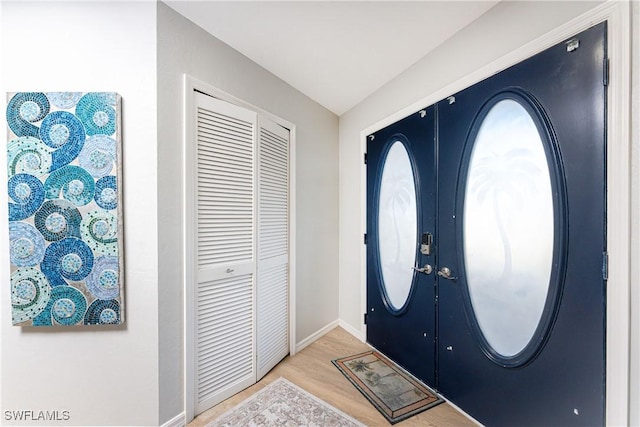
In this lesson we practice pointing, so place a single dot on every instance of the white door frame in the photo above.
(191, 84)
(618, 186)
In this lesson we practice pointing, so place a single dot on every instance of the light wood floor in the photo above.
(312, 370)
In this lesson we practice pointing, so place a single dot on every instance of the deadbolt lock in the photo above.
(426, 243)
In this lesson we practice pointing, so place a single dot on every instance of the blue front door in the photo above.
(509, 183)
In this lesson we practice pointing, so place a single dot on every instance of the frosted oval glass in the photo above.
(508, 228)
(397, 225)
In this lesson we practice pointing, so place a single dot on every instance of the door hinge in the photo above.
(572, 45)
(605, 78)
(605, 265)
(366, 158)
(365, 318)
(366, 238)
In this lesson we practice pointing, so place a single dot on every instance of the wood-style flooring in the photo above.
(312, 370)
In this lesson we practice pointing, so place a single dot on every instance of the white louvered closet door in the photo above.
(273, 245)
(225, 251)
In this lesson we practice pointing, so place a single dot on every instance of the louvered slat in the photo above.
(229, 302)
(272, 329)
(225, 188)
(273, 235)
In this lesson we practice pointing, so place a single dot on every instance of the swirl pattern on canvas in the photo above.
(64, 218)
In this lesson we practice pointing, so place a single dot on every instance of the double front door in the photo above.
(486, 254)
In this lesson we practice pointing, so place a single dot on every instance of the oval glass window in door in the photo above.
(397, 225)
(508, 227)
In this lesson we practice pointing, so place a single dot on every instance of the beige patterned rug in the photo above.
(283, 403)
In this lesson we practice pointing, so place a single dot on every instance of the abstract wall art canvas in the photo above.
(65, 211)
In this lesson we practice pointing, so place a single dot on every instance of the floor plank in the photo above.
(312, 370)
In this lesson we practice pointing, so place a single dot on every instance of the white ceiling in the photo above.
(337, 53)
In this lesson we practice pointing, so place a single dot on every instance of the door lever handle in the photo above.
(427, 269)
(445, 272)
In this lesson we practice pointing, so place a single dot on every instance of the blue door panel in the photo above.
(408, 335)
(564, 384)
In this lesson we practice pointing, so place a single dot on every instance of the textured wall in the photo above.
(634, 397)
(100, 375)
(185, 48)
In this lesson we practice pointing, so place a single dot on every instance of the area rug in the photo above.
(283, 403)
(393, 391)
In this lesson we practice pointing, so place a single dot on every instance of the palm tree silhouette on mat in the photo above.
(359, 365)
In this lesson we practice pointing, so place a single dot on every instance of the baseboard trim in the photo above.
(177, 421)
(316, 335)
(457, 408)
(353, 331)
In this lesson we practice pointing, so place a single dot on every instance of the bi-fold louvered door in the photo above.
(241, 249)
(273, 245)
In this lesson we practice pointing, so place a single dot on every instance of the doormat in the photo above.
(393, 391)
(283, 403)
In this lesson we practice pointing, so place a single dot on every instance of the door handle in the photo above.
(445, 272)
(427, 269)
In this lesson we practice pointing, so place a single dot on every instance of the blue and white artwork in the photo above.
(65, 217)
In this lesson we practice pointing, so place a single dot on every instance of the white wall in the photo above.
(503, 29)
(634, 397)
(101, 376)
(185, 48)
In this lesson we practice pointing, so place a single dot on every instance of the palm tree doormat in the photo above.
(393, 392)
